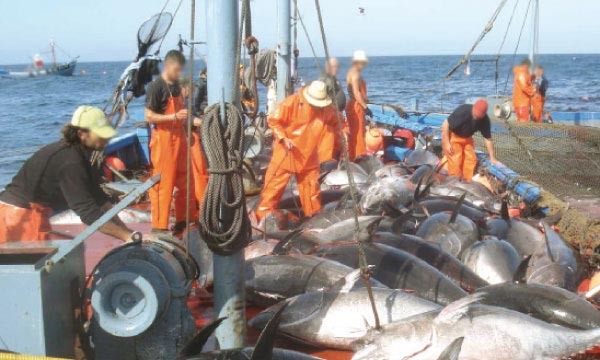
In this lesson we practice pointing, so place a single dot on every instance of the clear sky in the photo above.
(105, 30)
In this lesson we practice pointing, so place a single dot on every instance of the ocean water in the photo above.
(33, 110)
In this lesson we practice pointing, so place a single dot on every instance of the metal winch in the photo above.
(139, 301)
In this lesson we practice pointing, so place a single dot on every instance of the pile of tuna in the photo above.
(452, 275)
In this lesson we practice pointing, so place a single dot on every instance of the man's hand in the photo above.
(289, 144)
(494, 161)
(197, 122)
(182, 114)
(448, 148)
(368, 112)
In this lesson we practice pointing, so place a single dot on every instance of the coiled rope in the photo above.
(224, 221)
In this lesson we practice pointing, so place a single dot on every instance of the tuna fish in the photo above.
(369, 163)
(434, 256)
(453, 232)
(263, 349)
(395, 170)
(495, 261)
(547, 303)
(389, 195)
(398, 269)
(489, 332)
(271, 278)
(336, 319)
(338, 179)
(553, 263)
(421, 157)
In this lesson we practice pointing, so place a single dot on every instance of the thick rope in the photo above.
(224, 221)
(362, 257)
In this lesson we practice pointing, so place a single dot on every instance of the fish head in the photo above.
(388, 195)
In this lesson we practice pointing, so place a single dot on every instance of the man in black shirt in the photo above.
(457, 138)
(59, 177)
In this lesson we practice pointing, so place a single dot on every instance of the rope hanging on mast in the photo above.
(485, 31)
(362, 258)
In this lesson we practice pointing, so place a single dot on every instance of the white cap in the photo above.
(360, 56)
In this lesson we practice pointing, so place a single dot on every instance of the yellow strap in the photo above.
(5, 356)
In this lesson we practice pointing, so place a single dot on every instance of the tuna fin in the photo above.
(457, 208)
(521, 272)
(504, 211)
(547, 230)
(456, 310)
(373, 225)
(284, 245)
(194, 346)
(592, 292)
(453, 350)
(347, 283)
(263, 350)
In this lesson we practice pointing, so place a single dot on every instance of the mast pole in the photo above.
(53, 51)
(284, 26)
(535, 32)
(223, 80)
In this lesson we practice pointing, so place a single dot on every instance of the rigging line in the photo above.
(362, 258)
(512, 15)
(190, 119)
(312, 48)
(517, 46)
(174, 15)
(485, 31)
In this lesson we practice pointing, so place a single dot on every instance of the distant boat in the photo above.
(38, 67)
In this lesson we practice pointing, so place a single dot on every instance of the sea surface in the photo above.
(33, 110)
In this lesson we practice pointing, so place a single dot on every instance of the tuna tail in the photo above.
(453, 350)
(264, 345)
(520, 275)
(457, 208)
(504, 211)
(547, 230)
(456, 310)
(284, 245)
(194, 346)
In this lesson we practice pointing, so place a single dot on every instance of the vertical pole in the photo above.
(535, 18)
(223, 81)
(284, 50)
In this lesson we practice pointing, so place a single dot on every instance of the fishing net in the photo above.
(153, 30)
(565, 162)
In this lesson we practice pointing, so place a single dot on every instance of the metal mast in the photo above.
(223, 85)
(284, 27)
(535, 32)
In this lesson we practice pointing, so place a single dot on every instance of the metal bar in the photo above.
(223, 81)
(284, 49)
(188, 160)
(114, 211)
(535, 18)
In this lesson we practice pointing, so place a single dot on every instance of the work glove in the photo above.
(368, 112)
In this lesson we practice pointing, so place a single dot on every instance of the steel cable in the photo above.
(224, 221)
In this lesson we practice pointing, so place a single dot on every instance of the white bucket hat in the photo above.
(316, 94)
(360, 56)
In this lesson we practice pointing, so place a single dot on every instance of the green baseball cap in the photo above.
(93, 119)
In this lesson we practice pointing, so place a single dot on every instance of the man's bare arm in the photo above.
(489, 144)
(154, 118)
(355, 82)
(446, 138)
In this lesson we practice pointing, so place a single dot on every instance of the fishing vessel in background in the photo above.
(38, 67)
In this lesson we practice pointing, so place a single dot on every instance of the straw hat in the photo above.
(316, 94)
(360, 56)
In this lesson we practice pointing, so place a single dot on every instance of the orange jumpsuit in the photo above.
(304, 125)
(20, 224)
(523, 91)
(464, 160)
(537, 103)
(168, 155)
(199, 168)
(356, 124)
(330, 144)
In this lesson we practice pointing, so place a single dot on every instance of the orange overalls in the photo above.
(523, 91)
(464, 160)
(330, 143)
(20, 224)
(199, 168)
(356, 124)
(537, 103)
(304, 125)
(168, 155)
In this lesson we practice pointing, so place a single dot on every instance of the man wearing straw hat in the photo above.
(298, 124)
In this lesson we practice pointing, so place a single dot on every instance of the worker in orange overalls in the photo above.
(523, 91)
(539, 98)
(330, 144)
(199, 165)
(457, 138)
(297, 124)
(357, 107)
(166, 112)
(59, 177)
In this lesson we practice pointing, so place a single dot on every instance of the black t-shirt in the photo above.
(200, 98)
(461, 123)
(60, 177)
(158, 94)
(334, 90)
